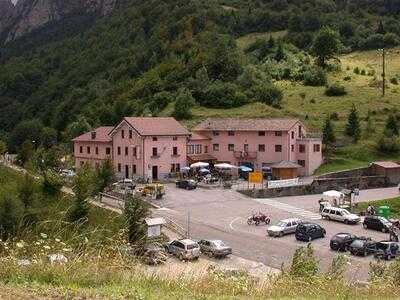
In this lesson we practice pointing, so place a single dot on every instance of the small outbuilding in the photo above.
(285, 169)
(154, 226)
(389, 169)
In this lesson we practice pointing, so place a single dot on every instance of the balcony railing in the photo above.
(245, 154)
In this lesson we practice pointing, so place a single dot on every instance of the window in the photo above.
(246, 147)
(133, 169)
(97, 150)
(154, 151)
(119, 150)
(231, 133)
(205, 149)
(261, 148)
(172, 168)
(215, 147)
(261, 133)
(178, 167)
(175, 138)
(301, 162)
(302, 148)
(292, 148)
(154, 139)
(317, 147)
(292, 134)
(80, 149)
(231, 147)
(119, 167)
(108, 151)
(278, 133)
(122, 134)
(190, 149)
(126, 151)
(215, 133)
(88, 149)
(134, 152)
(197, 149)
(278, 148)
(300, 131)
(130, 133)
(175, 151)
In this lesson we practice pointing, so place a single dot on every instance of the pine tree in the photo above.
(353, 128)
(135, 213)
(328, 133)
(104, 175)
(183, 104)
(391, 126)
(381, 28)
(279, 54)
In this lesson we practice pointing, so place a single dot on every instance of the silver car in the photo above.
(283, 227)
(184, 249)
(215, 248)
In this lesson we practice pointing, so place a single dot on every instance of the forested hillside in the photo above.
(147, 55)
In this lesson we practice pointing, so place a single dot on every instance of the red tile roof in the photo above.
(246, 124)
(156, 126)
(197, 137)
(387, 164)
(201, 157)
(102, 135)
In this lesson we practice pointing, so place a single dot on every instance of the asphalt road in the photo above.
(222, 214)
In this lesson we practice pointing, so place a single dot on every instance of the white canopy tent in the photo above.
(199, 164)
(225, 166)
(331, 195)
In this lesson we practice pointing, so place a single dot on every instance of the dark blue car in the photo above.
(307, 232)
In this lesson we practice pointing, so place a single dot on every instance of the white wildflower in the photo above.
(43, 235)
(20, 244)
(57, 240)
(67, 249)
(46, 247)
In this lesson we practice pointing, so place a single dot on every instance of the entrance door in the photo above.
(126, 171)
(155, 172)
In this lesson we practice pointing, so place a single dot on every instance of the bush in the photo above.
(268, 94)
(222, 95)
(394, 81)
(388, 145)
(52, 183)
(334, 116)
(335, 90)
(304, 263)
(315, 77)
(347, 78)
(356, 70)
(362, 72)
(371, 72)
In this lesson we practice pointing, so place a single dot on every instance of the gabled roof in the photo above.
(102, 135)
(387, 164)
(198, 137)
(235, 124)
(156, 126)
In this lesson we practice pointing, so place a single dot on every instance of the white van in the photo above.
(339, 214)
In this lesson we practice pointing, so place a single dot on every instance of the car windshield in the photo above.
(358, 243)
(382, 246)
(281, 224)
(219, 244)
(192, 246)
(384, 220)
(345, 212)
(342, 235)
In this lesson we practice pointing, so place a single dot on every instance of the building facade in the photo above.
(151, 148)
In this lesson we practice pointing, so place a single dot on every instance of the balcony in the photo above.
(245, 154)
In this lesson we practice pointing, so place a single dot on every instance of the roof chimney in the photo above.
(93, 134)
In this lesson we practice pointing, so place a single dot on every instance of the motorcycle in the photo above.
(258, 218)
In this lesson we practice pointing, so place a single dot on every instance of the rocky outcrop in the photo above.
(28, 15)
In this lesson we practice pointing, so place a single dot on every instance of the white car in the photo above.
(283, 227)
(340, 214)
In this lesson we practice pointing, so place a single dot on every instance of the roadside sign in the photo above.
(255, 177)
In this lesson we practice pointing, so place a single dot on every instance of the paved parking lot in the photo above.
(222, 214)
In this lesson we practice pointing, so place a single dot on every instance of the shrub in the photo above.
(335, 90)
(356, 70)
(221, 94)
(312, 100)
(334, 116)
(52, 183)
(371, 72)
(347, 78)
(268, 94)
(304, 263)
(135, 212)
(388, 145)
(362, 72)
(394, 81)
(315, 77)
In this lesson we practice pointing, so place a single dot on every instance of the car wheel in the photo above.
(280, 234)
(346, 222)
(257, 223)
(365, 253)
(384, 229)
(327, 218)
(365, 226)
(180, 257)
(309, 239)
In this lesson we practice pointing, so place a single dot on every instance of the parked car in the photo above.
(339, 214)
(387, 250)
(215, 248)
(186, 184)
(362, 246)
(341, 241)
(283, 227)
(184, 249)
(309, 231)
(377, 223)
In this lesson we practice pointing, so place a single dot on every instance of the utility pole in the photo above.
(383, 72)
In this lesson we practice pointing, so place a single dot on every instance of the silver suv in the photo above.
(283, 227)
(340, 214)
(184, 249)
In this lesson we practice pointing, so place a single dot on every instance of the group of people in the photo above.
(371, 210)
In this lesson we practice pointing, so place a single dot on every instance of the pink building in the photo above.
(257, 143)
(151, 148)
(143, 147)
